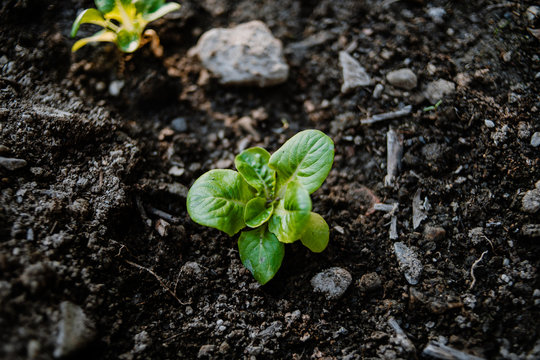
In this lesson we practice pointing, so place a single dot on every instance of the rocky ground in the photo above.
(433, 201)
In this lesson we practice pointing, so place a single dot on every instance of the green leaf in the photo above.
(163, 10)
(291, 214)
(257, 212)
(261, 253)
(218, 198)
(88, 16)
(252, 164)
(147, 6)
(128, 41)
(306, 157)
(105, 6)
(101, 36)
(316, 234)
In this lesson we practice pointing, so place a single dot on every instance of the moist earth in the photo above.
(100, 260)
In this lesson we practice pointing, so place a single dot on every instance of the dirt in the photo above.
(97, 217)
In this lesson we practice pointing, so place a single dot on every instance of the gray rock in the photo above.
(247, 54)
(531, 201)
(141, 341)
(490, 124)
(206, 351)
(402, 78)
(535, 139)
(354, 75)
(179, 124)
(115, 87)
(408, 262)
(419, 214)
(531, 231)
(75, 330)
(12, 163)
(438, 90)
(332, 282)
(377, 91)
(437, 14)
(532, 13)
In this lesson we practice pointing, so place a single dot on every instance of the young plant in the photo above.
(123, 21)
(270, 194)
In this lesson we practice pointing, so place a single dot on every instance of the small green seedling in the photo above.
(432, 107)
(271, 195)
(123, 21)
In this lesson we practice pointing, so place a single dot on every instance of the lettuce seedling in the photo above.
(270, 194)
(123, 21)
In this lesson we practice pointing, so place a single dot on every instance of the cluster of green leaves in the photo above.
(123, 21)
(271, 195)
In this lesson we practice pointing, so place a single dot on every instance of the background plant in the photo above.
(271, 195)
(123, 21)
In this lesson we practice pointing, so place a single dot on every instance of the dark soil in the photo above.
(96, 205)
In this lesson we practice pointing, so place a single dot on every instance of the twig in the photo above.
(162, 214)
(394, 152)
(387, 116)
(474, 265)
(159, 279)
(443, 352)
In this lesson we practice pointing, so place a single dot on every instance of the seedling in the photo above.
(432, 107)
(270, 194)
(123, 21)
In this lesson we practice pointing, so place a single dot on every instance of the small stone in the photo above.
(531, 201)
(100, 86)
(332, 282)
(535, 139)
(434, 233)
(12, 163)
(531, 231)
(377, 91)
(206, 351)
(437, 14)
(408, 262)
(179, 124)
(402, 78)
(490, 124)
(115, 87)
(141, 341)
(536, 293)
(438, 90)
(176, 171)
(75, 330)
(532, 13)
(369, 282)
(247, 54)
(354, 75)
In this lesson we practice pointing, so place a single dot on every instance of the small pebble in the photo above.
(531, 201)
(115, 87)
(75, 330)
(402, 78)
(408, 262)
(12, 163)
(332, 282)
(377, 92)
(354, 74)
(535, 139)
(179, 124)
